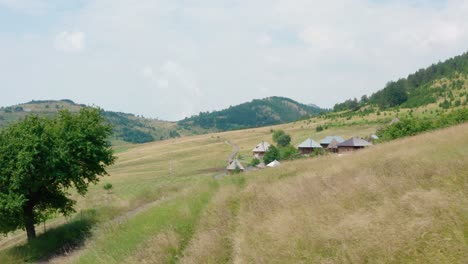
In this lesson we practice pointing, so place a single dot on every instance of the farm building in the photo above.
(260, 149)
(308, 146)
(333, 146)
(353, 143)
(273, 164)
(235, 165)
(326, 141)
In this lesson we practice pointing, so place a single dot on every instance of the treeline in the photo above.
(411, 126)
(268, 111)
(415, 90)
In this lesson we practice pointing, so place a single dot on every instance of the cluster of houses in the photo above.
(335, 144)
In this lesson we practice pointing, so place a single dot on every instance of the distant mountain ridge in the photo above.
(135, 129)
(127, 127)
(256, 113)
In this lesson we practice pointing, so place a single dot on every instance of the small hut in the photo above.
(235, 165)
(326, 141)
(260, 149)
(308, 146)
(333, 146)
(273, 164)
(353, 143)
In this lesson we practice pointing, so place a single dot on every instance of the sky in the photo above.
(169, 59)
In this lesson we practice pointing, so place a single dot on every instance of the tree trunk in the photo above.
(29, 222)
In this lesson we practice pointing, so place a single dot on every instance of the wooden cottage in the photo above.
(260, 149)
(235, 165)
(326, 141)
(333, 146)
(308, 146)
(353, 143)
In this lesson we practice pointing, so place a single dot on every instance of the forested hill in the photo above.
(127, 127)
(443, 84)
(257, 113)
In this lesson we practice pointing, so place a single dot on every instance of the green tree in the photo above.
(283, 140)
(271, 154)
(277, 134)
(41, 159)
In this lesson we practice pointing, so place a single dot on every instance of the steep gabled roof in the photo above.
(329, 139)
(354, 142)
(333, 144)
(262, 147)
(309, 143)
(235, 164)
(274, 163)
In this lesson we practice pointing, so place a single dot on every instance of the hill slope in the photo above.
(127, 127)
(257, 113)
(410, 193)
(444, 84)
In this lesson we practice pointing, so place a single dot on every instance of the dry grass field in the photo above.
(400, 202)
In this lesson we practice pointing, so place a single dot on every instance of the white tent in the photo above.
(274, 163)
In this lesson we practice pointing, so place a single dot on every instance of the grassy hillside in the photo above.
(444, 84)
(128, 128)
(402, 201)
(257, 113)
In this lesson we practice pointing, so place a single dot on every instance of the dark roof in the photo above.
(354, 142)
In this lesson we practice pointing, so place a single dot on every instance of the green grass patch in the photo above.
(179, 215)
(54, 241)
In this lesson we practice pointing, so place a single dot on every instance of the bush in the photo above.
(413, 126)
(254, 162)
(284, 140)
(271, 155)
(288, 152)
(277, 134)
(107, 186)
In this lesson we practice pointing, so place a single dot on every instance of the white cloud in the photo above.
(70, 42)
(147, 72)
(264, 40)
(32, 7)
(191, 56)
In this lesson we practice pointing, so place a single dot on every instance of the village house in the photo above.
(353, 143)
(326, 141)
(260, 149)
(273, 164)
(308, 146)
(235, 165)
(333, 146)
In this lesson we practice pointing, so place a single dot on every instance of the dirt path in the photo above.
(116, 221)
(234, 151)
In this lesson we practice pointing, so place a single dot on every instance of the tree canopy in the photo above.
(41, 159)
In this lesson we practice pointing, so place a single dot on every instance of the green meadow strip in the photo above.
(179, 215)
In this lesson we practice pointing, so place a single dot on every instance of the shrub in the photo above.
(107, 187)
(271, 155)
(284, 140)
(288, 152)
(254, 162)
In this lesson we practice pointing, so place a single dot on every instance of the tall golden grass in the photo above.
(401, 202)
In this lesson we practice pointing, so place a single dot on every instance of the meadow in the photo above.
(402, 201)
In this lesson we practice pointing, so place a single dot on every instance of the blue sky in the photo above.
(170, 59)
